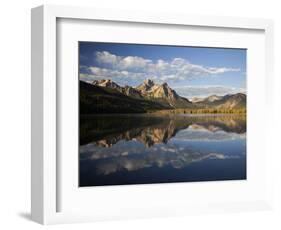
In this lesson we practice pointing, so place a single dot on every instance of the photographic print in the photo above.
(161, 114)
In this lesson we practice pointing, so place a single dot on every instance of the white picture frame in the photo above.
(45, 90)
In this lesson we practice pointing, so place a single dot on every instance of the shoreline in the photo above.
(161, 114)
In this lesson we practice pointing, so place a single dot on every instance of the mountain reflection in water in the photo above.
(134, 149)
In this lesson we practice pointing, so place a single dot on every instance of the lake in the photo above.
(145, 148)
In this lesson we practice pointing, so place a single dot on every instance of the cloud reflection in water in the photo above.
(161, 142)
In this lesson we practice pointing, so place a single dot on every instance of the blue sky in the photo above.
(191, 71)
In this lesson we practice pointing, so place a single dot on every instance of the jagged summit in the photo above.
(146, 86)
(152, 90)
(106, 83)
(162, 92)
(127, 90)
(149, 90)
(149, 82)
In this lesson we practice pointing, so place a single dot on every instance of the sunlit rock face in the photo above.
(106, 83)
(127, 90)
(163, 93)
(149, 89)
(146, 86)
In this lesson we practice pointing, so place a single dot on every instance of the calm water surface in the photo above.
(141, 149)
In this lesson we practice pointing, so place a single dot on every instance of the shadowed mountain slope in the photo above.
(96, 99)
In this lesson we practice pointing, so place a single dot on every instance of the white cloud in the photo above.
(176, 69)
(106, 57)
(201, 133)
(121, 63)
(132, 70)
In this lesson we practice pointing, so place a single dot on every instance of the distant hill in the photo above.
(106, 96)
(230, 102)
(212, 98)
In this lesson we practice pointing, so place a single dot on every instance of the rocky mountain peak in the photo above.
(146, 86)
(149, 82)
(106, 83)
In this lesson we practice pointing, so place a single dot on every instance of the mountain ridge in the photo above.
(154, 97)
(149, 90)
